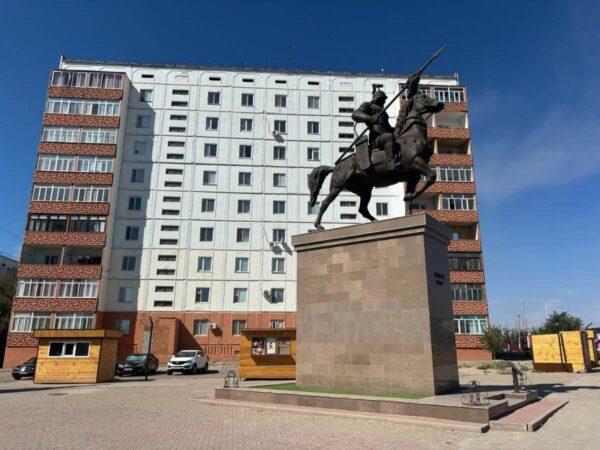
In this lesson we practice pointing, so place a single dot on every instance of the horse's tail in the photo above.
(315, 180)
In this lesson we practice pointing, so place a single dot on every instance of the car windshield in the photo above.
(185, 354)
(136, 358)
(30, 361)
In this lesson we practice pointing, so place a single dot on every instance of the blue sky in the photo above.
(530, 67)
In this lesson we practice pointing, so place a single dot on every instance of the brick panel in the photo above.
(467, 276)
(450, 159)
(59, 271)
(452, 216)
(95, 209)
(465, 245)
(21, 340)
(87, 93)
(73, 148)
(81, 120)
(456, 107)
(64, 238)
(448, 133)
(468, 341)
(55, 304)
(449, 188)
(73, 178)
(460, 307)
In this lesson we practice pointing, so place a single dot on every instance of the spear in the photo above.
(417, 73)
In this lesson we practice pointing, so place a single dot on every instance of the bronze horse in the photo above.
(411, 136)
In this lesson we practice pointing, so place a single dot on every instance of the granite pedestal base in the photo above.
(373, 308)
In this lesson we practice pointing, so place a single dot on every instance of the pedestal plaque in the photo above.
(374, 313)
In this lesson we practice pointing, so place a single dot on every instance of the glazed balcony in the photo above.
(86, 85)
(454, 98)
(81, 120)
(60, 262)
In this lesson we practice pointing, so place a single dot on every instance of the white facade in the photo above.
(163, 161)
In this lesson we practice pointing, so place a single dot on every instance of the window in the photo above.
(147, 75)
(168, 241)
(173, 183)
(214, 98)
(278, 265)
(280, 126)
(35, 287)
(465, 202)
(277, 324)
(348, 216)
(346, 124)
(345, 136)
(87, 224)
(312, 127)
(346, 110)
(278, 152)
(74, 321)
(245, 124)
(277, 295)
(313, 154)
(134, 204)
(55, 163)
(180, 92)
(209, 177)
(50, 193)
(96, 164)
(470, 324)
(177, 129)
(243, 206)
(247, 99)
(170, 212)
(240, 295)
(382, 209)
(30, 321)
(201, 327)
(69, 349)
(210, 150)
(461, 174)
(241, 265)
(165, 271)
(313, 102)
(202, 294)
(208, 205)
(78, 79)
(278, 235)
(465, 261)
(146, 95)
(97, 194)
(167, 258)
(313, 83)
(346, 99)
(44, 222)
(174, 156)
(178, 117)
(99, 135)
(179, 103)
(278, 207)
(467, 292)
(132, 233)
(113, 81)
(125, 294)
(280, 82)
(347, 203)
(64, 106)
(164, 289)
(142, 121)
(212, 123)
(169, 228)
(123, 325)
(245, 178)
(313, 209)
(245, 151)
(137, 175)
(128, 263)
(175, 144)
(78, 288)
(206, 234)
(280, 101)
(279, 180)
(243, 235)
(237, 326)
(60, 134)
(163, 303)
(204, 264)
(170, 199)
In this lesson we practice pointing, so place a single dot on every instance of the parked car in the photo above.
(189, 361)
(136, 365)
(27, 369)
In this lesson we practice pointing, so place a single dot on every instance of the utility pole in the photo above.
(519, 331)
(149, 347)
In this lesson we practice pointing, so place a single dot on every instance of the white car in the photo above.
(190, 361)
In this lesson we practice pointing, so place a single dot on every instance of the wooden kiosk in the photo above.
(76, 356)
(268, 353)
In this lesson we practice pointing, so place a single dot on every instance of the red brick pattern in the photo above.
(21, 340)
(448, 133)
(71, 148)
(460, 307)
(456, 107)
(55, 304)
(466, 276)
(73, 177)
(449, 187)
(86, 93)
(96, 209)
(452, 216)
(465, 245)
(450, 159)
(59, 271)
(468, 340)
(60, 238)
(80, 120)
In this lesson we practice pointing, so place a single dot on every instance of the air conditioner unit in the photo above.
(273, 244)
(275, 133)
(267, 293)
(213, 326)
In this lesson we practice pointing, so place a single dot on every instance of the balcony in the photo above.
(453, 97)
(468, 307)
(60, 262)
(467, 276)
(59, 271)
(465, 245)
(86, 85)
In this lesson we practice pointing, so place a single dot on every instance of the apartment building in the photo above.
(171, 193)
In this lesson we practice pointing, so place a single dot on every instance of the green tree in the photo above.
(7, 292)
(493, 339)
(560, 321)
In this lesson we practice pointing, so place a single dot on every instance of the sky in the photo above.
(530, 67)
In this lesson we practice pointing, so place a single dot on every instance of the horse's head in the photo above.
(424, 104)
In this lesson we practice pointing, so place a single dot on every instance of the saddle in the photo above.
(370, 160)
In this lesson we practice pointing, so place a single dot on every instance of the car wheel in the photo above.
(205, 368)
(194, 369)
(17, 376)
(169, 372)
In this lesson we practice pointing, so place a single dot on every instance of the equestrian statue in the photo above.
(388, 156)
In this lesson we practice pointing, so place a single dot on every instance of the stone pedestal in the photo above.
(374, 313)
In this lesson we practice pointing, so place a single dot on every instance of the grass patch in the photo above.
(293, 387)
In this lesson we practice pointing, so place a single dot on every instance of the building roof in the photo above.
(65, 59)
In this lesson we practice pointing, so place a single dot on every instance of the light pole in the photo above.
(149, 347)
